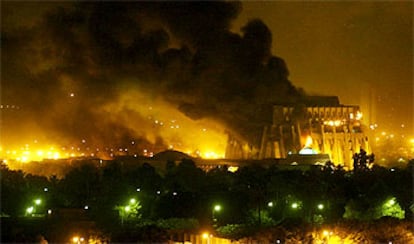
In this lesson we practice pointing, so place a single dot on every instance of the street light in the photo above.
(127, 209)
(38, 201)
(29, 210)
(294, 205)
(216, 208)
(320, 206)
(132, 201)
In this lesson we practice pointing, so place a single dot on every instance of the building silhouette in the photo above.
(317, 125)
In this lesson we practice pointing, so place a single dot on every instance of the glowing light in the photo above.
(307, 151)
(29, 210)
(28, 154)
(358, 115)
(210, 155)
(56, 155)
(205, 235)
(232, 169)
(326, 233)
(337, 123)
(270, 204)
(320, 206)
(294, 205)
(309, 141)
(132, 201)
(217, 208)
(38, 201)
(75, 239)
(127, 209)
(332, 123)
(207, 136)
(391, 202)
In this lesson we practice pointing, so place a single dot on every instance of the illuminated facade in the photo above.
(319, 125)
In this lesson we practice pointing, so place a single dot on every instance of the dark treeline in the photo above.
(251, 196)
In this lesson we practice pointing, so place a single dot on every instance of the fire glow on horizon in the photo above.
(154, 126)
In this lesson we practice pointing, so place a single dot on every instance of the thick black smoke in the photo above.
(62, 71)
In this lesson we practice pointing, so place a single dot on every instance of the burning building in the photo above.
(317, 125)
(108, 79)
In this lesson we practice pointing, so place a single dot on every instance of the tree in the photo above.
(363, 161)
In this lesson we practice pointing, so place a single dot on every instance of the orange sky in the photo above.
(349, 49)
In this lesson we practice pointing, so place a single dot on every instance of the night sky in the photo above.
(80, 70)
(346, 48)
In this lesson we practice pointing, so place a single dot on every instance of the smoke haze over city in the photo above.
(112, 73)
(101, 72)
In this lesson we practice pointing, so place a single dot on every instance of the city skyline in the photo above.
(76, 81)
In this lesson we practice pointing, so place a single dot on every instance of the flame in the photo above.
(160, 124)
(211, 155)
(17, 156)
(159, 119)
(309, 141)
(307, 149)
(358, 115)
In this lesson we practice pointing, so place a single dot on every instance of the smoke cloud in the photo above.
(109, 71)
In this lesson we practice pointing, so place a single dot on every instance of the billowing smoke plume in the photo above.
(93, 70)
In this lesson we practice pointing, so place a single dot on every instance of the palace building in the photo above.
(318, 126)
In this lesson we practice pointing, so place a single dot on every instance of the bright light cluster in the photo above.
(334, 123)
(29, 153)
(357, 116)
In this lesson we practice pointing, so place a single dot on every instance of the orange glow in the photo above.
(232, 169)
(358, 115)
(75, 239)
(28, 154)
(309, 148)
(211, 155)
(153, 121)
(205, 235)
(333, 123)
(205, 137)
(309, 141)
